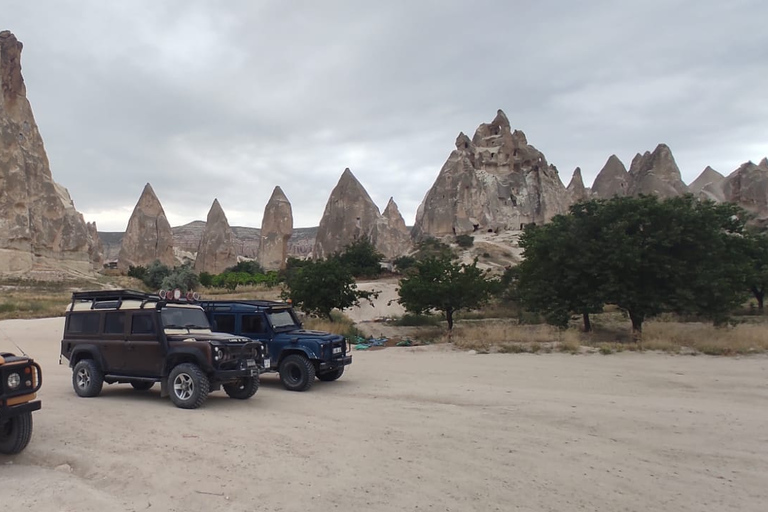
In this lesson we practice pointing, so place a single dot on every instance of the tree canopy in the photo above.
(441, 284)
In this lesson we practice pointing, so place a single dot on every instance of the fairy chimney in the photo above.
(656, 173)
(148, 236)
(576, 187)
(216, 251)
(612, 180)
(276, 230)
(40, 229)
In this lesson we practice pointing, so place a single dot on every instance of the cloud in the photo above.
(230, 100)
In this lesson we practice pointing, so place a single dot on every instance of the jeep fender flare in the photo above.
(86, 351)
(294, 349)
(186, 355)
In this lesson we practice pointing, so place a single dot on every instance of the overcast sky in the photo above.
(227, 100)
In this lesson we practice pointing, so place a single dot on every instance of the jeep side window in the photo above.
(142, 324)
(224, 323)
(114, 323)
(83, 323)
(253, 324)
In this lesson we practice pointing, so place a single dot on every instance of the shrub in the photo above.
(465, 241)
(138, 271)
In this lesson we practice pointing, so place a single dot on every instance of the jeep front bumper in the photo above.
(246, 368)
(336, 363)
(17, 410)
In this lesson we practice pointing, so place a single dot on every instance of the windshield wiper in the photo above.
(172, 326)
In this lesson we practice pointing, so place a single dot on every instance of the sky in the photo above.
(227, 100)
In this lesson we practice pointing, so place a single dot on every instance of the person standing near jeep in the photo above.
(126, 336)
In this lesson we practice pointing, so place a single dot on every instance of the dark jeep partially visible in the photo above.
(20, 379)
(126, 336)
(298, 354)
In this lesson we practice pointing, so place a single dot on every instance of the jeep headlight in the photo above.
(14, 380)
(218, 354)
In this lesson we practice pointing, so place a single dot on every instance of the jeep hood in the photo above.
(215, 337)
(307, 334)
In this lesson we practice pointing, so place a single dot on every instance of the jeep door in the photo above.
(113, 341)
(144, 352)
(254, 325)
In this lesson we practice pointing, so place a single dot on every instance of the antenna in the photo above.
(14, 343)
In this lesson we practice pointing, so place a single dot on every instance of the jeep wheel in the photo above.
(142, 385)
(15, 434)
(331, 375)
(242, 388)
(87, 379)
(297, 373)
(189, 386)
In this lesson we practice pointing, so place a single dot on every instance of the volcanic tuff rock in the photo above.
(576, 187)
(349, 214)
(95, 248)
(217, 246)
(494, 181)
(390, 235)
(40, 230)
(276, 230)
(148, 236)
(747, 186)
(612, 180)
(708, 185)
(656, 173)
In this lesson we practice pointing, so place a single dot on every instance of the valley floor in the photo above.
(424, 428)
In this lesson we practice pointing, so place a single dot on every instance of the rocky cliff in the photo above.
(656, 174)
(495, 180)
(276, 230)
(148, 236)
(747, 186)
(390, 235)
(40, 230)
(216, 251)
(612, 180)
(95, 247)
(709, 185)
(576, 188)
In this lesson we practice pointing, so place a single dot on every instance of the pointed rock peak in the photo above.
(501, 119)
(577, 173)
(614, 165)
(278, 195)
(763, 163)
(347, 175)
(463, 142)
(613, 160)
(708, 176)
(10, 65)
(216, 210)
(519, 137)
(391, 208)
(349, 181)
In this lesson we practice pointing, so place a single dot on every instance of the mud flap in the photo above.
(163, 388)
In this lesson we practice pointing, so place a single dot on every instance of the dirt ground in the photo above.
(408, 429)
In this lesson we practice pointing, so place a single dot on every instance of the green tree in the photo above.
(181, 277)
(206, 279)
(319, 287)
(246, 266)
(155, 274)
(443, 285)
(756, 250)
(558, 275)
(361, 258)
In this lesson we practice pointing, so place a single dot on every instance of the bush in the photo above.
(361, 258)
(411, 320)
(465, 241)
(138, 271)
(206, 279)
(183, 278)
(155, 274)
(247, 267)
(404, 263)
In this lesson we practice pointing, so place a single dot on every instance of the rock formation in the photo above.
(148, 236)
(349, 214)
(747, 186)
(217, 246)
(276, 230)
(40, 230)
(494, 181)
(708, 185)
(95, 247)
(612, 180)
(656, 173)
(576, 187)
(390, 235)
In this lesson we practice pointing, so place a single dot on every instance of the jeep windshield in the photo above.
(282, 320)
(184, 318)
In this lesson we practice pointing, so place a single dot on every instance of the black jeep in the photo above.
(20, 379)
(298, 354)
(126, 336)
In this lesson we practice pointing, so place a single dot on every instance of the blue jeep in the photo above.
(297, 354)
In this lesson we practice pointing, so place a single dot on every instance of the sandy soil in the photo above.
(408, 429)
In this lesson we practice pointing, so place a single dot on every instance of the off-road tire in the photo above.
(87, 378)
(15, 434)
(331, 375)
(188, 386)
(243, 388)
(297, 373)
(142, 385)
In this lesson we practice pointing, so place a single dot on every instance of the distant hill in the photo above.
(187, 238)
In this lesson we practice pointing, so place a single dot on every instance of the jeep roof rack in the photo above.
(254, 302)
(105, 297)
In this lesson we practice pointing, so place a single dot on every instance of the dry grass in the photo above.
(506, 336)
(33, 304)
(697, 337)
